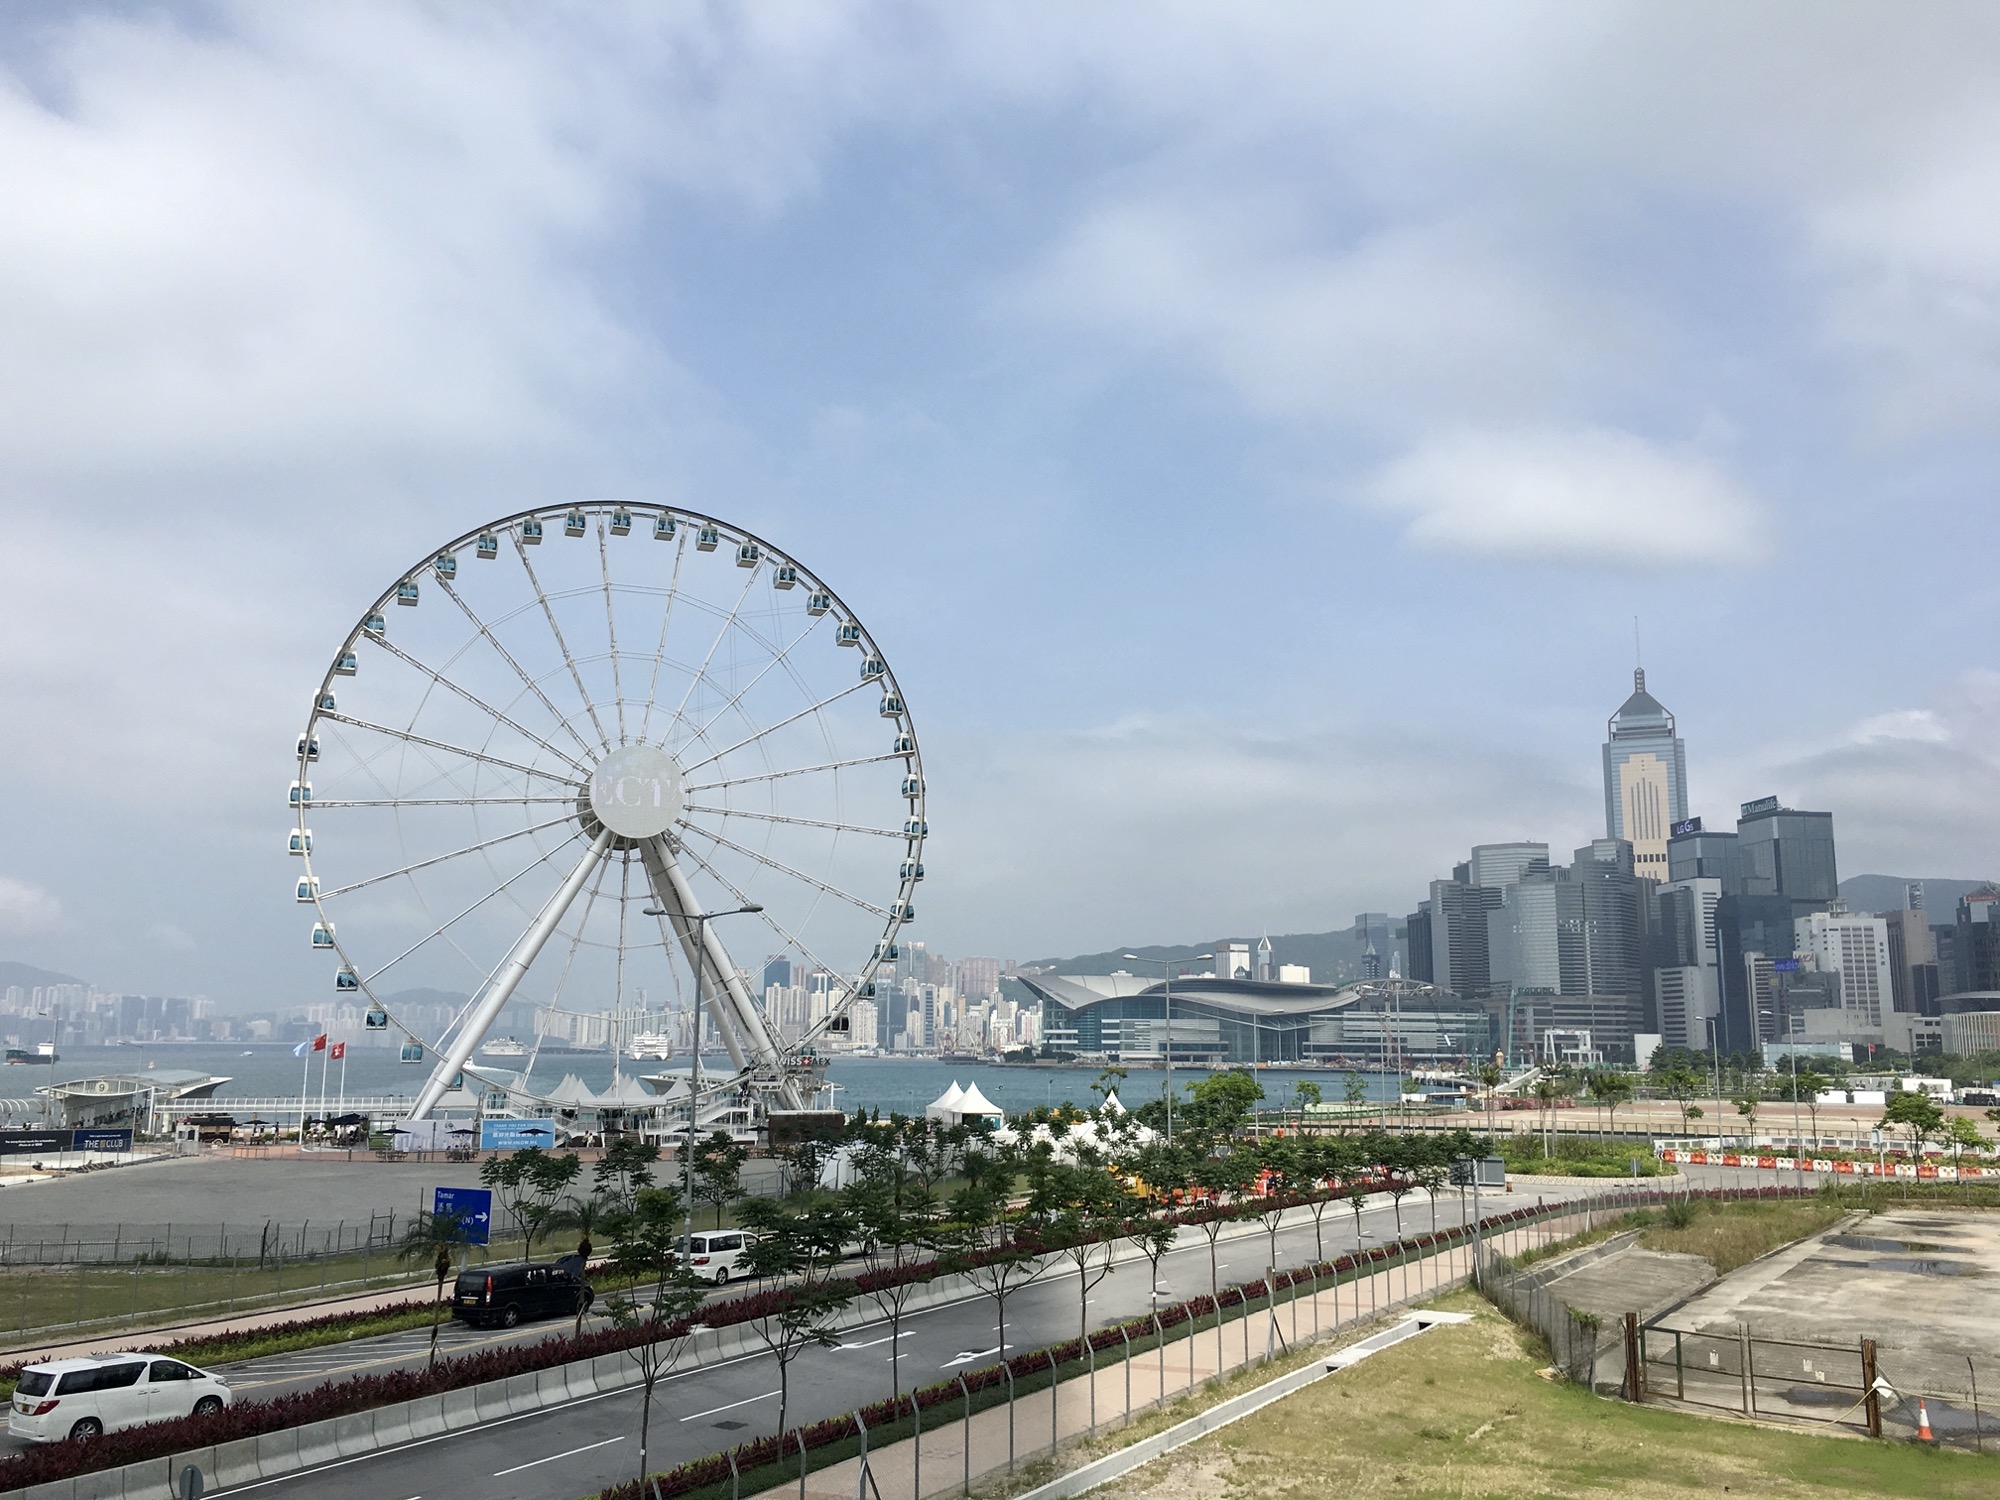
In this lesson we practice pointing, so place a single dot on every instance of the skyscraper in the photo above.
(1781, 851)
(1645, 778)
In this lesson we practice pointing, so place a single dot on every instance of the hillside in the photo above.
(28, 976)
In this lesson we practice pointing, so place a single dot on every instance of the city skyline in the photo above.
(1249, 438)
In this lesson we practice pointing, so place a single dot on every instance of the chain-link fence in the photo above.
(258, 1241)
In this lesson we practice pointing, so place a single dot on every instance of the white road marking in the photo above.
(538, 1462)
(691, 1416)
(966, 1356)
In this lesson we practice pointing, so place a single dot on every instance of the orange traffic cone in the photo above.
(1924, 1434)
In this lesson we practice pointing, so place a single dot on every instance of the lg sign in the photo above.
(636, 792)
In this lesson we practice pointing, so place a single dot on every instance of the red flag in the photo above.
(339, 1051)
(319, 1042)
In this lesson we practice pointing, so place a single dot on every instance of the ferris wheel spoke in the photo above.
(582, 926)
(443, 928)
(829, 765)
(666, 619)
(459, 750)
(445, 801)
(779, 659)
(763, 817)
(785, 869)
(508, 657)
(549, 614)
(477, 702)
(784, 935)
(611, 629)
(701, 673)
(785, 723)
(438, 859)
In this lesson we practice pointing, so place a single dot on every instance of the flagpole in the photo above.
(343, 1078)
(305, 1075)
(324, 1064)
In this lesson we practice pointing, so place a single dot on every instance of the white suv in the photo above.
(83, 1398)
(717, 1255)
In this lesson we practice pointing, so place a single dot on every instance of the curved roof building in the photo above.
(1236, 1021)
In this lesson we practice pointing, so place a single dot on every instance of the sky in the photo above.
(1251, 433)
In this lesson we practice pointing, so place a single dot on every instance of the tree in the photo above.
(1158, 1173)
(1915, 1112)
(1287, 1176)
(1396, 1155)
(1432, 1169)
(800, 1244)
(718, 1172)
(1221, 1103)
(1491, 1075)
(1354, 1094)
(1307, 1093)
(1610, 1090)
(1091, 1206)
(1681, 1084)
(1321, 1159)
(434, 1237)
(993, 1258)
(647, 1253)
(587, 1214)
(1548, 1089)
(898, 1219)
(1807, 1086)
(625, 1167)
(1962, 1135)
(1746, 1106)
(1227, 1175)
(529, 1184)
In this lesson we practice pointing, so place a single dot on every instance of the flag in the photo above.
(319, 1042)
(302, 1049)
(339, 1051)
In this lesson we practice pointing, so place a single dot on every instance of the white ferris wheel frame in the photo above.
(756, 1051)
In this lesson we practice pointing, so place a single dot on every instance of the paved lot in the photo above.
(1632, 1280)
(1918, 1281)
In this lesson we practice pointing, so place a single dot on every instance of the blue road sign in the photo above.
(474, 1207)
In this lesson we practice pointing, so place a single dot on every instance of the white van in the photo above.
(81, 1399)
(717, 1255)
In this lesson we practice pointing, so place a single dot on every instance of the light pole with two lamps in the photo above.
(1167, 984)
(698, 921)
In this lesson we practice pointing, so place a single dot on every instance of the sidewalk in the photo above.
(1083, 1407)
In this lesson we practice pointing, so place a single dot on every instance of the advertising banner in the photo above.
(513, 1135)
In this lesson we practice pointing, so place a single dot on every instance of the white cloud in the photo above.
(27, 910)
(1573, 496)
(1918, 725)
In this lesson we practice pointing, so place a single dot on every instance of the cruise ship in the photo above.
(650, 1044)
(503, 1047)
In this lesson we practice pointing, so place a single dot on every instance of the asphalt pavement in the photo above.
(579, 1447)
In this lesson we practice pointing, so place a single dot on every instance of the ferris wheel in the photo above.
(554, 748)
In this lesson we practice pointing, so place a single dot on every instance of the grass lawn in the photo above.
(1578, 1156)
(1464, 1413)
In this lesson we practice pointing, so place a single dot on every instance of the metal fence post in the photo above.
(963, 1390)
(1007, 1369)
(736, 1479)
(1743, 1362)
(916, 1449)
(1160, 1354)
(1055, 1380)
(1978, 1436)
(1090, 1353)
(1128, 1372)
(798, 1436)
(861, 1477)
(1314, 1274)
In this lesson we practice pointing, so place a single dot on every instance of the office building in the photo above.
(1976, 941)
(1645, 778)
(1857, 949)
(1455, 938)
(1232, 960)
(1500, 865)
(1687, 977)
(1781, 851)
(1375, 929)
(1695, 853)
(979, 978)
(1913, 966)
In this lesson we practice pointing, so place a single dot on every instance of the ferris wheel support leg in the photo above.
(732, 998)
(501, 990)
(657, 858)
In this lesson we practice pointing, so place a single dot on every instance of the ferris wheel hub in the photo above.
(635, 791)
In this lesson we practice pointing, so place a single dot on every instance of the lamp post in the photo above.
(699, 922)
(1715, 1054)
(1167, 987)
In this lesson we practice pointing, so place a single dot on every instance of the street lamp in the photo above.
(699, 922)
(1715, 1054)
(1167, 985)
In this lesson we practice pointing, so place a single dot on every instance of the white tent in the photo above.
(973, 1105)
(948, 1105)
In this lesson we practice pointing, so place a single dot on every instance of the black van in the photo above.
(505, 1294)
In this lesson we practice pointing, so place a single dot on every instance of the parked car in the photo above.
(507, 1294)
(716, 1256)
(80, 1399)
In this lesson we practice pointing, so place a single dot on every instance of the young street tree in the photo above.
(659, 1296)
(1916, 1113)
(897, 1216)
(1807, 1086)
(625, 1167)
(798, 1244)
(992, 1255)
(1610, 1090)
(1681, 1084)
(718, 1172)
(435, 1238)
(529, 1184)
(1227, 1175)
(1090, 1207)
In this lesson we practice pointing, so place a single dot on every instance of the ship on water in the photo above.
(657, 1045)
(41, 1052)
(503, 1047)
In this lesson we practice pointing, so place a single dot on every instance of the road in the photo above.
(579, 1447)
